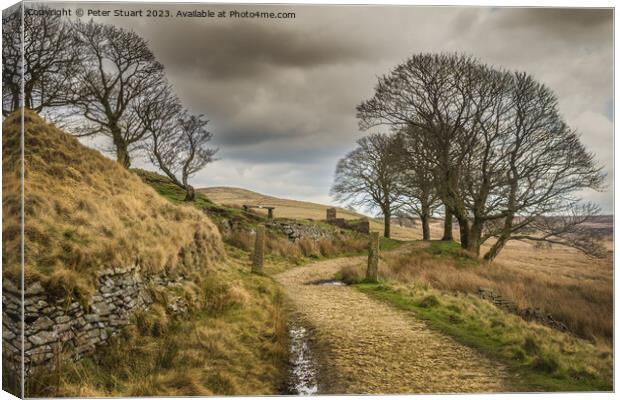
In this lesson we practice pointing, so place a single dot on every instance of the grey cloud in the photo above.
(560, 20)
(281, 94)
(249, 50)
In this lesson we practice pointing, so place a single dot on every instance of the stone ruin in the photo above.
(361, 225)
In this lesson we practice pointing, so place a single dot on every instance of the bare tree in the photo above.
(545, 166)
(433, 93)
(499, 147)
(49, 60)
(117, 74)
(11, 60)
(367, 177)
(417, 183)
(178, 141)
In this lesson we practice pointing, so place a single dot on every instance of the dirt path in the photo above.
(369, 347)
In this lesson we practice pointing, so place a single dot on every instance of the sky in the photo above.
(281, 94)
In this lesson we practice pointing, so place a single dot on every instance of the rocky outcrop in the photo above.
(69, 329)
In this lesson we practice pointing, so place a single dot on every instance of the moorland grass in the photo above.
(585, 306)
(85, 212)
(439, 283)
(232, 342)
(539, 358)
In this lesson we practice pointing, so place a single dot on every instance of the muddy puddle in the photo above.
(328, 282)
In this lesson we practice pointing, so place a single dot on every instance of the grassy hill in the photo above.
(285, 208)
(296, 209)
(84, 212)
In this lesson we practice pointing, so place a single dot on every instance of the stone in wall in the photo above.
(361, 226)
(296, 230)
(57, 328)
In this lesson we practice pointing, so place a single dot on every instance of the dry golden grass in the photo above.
(584, 305)
(234, 343)
(294, 252)
(84, 212)
(571, 286)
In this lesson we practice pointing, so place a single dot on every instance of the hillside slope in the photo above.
(85, 213)
(285, 208)
(296, 209)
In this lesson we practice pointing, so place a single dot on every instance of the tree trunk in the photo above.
(496, 248)
(387, 216)
(464, 232)
(15, 96)
(190, 193)
(122, 151)
(426, 228)
(473, 238)
(28, 100)
(447, 227)
(122, 156)
(503, 238)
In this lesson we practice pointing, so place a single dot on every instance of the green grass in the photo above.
(387, 244)
(539, 358)
(216, 212)
(451, 250)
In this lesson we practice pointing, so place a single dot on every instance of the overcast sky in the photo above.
(281, 93)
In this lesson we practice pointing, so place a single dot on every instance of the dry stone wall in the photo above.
(528, 314)
(69, 329)
(296, 230)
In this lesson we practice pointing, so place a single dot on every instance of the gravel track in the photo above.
(367, 346)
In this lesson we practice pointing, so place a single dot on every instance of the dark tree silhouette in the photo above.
(177, 141)
(434, 93)
(498, 147)
(544, 165)
(367, 176)
(417, 185)
(49, 61)
(117, 74)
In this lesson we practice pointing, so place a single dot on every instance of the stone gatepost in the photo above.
(373, 257)
(259, 250)
(330, 214)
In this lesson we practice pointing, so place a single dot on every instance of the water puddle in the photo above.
(328, 282)
(303, 373)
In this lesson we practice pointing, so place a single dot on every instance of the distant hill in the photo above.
(285, 208)
(296, 209)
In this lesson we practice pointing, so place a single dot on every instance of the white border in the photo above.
(481, 3)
